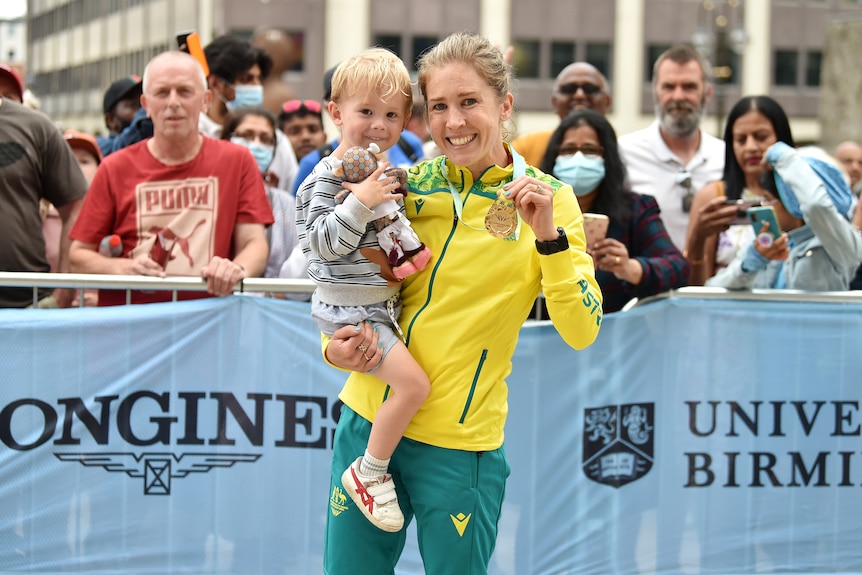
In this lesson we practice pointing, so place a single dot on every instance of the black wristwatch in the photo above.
(554, 246)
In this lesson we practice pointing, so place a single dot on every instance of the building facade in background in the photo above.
(77, 47)
(13, 41)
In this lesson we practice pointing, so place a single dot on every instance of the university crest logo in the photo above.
(618, 442)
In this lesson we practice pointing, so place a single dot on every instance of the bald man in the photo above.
(182, 203)
(850, 155)
(579, 86)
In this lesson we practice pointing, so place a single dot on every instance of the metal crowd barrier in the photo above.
(130, 283)
(281, 286)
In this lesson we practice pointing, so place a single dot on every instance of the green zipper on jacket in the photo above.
(473, 385)
(433, 275)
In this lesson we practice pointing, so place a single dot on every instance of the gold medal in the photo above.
(501, 221)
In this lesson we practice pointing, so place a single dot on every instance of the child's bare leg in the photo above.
(366, 481)
(410, 388)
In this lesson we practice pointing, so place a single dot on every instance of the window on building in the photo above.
(785, 67)
(562, 54)
(813, 63)
(526, 58)
(735, 68)
(77, 79)
(422, 44)
(388, 41)
(599, 55)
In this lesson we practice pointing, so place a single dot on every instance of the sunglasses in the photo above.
(572, 89)
(683, 180)
(292, 106)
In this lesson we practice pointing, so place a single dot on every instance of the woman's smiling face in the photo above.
(466, 116)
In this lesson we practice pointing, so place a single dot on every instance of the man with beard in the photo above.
(673, 158)
(578, 86)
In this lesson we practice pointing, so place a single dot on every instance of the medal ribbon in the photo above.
(519, 168)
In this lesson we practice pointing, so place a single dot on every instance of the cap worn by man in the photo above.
(120, 90)
(11, 83)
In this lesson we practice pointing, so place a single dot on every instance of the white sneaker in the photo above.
(375, 497)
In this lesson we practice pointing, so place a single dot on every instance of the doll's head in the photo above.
(358, 163)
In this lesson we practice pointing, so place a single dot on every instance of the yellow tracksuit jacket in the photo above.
(463, 313)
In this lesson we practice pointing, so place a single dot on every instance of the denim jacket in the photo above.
(825, 252)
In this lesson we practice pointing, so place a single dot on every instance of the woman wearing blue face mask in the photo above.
(254, 129)
(636, 259)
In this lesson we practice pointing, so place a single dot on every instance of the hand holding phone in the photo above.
(758, 215)
(595, 227)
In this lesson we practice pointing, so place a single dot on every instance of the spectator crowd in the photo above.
(428, 230)
(198, 170)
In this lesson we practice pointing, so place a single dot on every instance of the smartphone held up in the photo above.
(742, 207)
(760, 214)
(190, 43)
(595, 227)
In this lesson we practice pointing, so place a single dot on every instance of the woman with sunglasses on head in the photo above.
(637, 258)
(254, 128)
(716, 232)
(302, 122)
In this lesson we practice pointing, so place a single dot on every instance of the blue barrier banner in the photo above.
(694, 436)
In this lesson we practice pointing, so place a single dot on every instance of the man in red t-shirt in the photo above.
(183, 204)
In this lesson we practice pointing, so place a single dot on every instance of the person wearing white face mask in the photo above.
(237, 71)
(254, 128)
(637, 258)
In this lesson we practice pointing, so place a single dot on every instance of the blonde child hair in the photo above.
(372, 69)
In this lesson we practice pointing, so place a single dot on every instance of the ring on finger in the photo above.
(617, 260)
(363, 348)
(366, 356)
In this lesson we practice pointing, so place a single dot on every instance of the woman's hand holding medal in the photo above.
(534, 201)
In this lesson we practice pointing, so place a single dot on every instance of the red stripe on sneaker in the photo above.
(367, 500)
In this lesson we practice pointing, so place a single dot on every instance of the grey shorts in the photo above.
(383, 316)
